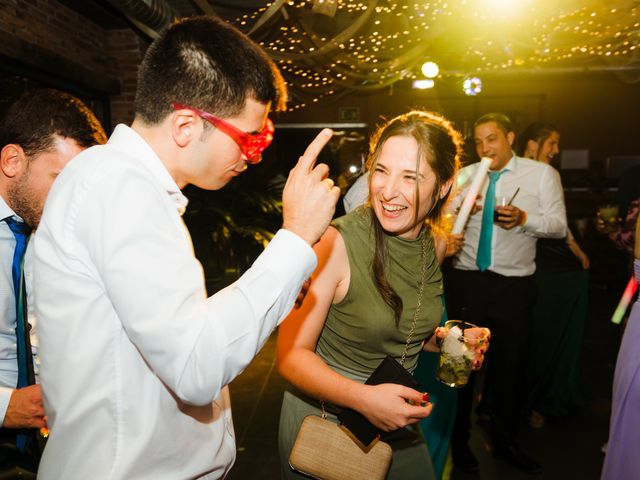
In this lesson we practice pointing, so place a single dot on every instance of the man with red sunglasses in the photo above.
(135, 357)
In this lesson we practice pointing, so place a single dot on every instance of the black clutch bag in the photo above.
(389, 371)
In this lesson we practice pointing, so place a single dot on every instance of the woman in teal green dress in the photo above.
(438, 426)
(562, 280)
(377, 267)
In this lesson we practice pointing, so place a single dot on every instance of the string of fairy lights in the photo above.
(328, 48)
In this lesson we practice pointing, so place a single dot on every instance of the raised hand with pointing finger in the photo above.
(309, 197)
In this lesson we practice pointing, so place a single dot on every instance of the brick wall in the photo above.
(48, 37)
(126, 50)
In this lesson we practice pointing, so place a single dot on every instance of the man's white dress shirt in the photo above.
(8, 352)
(513, 251)
(357, 193)
(135, 358)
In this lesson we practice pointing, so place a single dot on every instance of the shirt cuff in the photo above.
(5, 396)
(533, 223)
(289, 245)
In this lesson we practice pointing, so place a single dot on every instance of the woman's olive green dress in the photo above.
(361, 330)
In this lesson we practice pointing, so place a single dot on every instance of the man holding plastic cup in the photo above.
(492, 280)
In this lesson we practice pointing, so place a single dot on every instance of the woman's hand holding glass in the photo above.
(607, 221)
(477, 338)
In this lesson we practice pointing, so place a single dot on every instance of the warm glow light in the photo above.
(423, 84)
(430, 69)
(501, 8)
(392, 40)
(353, 169)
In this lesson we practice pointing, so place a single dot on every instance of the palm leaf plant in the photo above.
(230, 227)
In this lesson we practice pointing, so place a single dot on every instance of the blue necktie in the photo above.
(23, 343)
(483, 259)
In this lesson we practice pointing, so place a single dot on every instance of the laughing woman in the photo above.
(376, 292)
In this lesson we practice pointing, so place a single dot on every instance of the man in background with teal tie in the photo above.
(491, 282)
(39, 133)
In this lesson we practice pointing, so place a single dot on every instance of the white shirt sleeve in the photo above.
(144, 259)
(5, 396)
(551, 218)
(357, 194)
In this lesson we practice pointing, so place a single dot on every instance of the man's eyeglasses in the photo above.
(251, 146)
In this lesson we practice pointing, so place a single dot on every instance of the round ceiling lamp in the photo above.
(430, 69)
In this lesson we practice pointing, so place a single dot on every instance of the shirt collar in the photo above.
(511, 165)
(6, 211)
(126, 139)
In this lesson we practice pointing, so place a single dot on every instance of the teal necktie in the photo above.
(483, 259)
(21, 232)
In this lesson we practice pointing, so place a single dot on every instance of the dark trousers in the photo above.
(15, 464)
(504, 305)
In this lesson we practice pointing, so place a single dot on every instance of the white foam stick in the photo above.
(472, 194)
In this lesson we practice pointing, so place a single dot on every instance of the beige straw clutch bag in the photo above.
(324, 450)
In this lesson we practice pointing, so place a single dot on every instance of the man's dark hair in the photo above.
(503, 122)
(203, 62)
(34, 119)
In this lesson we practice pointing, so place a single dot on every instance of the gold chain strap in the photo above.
(419, 304)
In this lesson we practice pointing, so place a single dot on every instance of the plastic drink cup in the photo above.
(456, 354)
(500, 201)
(609, 215)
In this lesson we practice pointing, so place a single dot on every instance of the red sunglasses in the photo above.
(251, 146)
